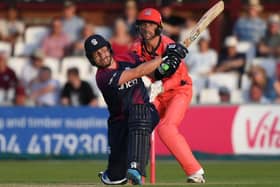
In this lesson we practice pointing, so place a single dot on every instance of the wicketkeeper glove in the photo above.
(156, 88)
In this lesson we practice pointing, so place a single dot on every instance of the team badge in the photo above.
(148, 12)
(94, 41)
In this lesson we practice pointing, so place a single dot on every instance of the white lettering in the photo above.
(16, 122)
(44, 122)
(13, 146)
(128, 84)
(34, 146)
(99, 144)
(85, 123)
(9, 146)
(2, 143)
(71, 143)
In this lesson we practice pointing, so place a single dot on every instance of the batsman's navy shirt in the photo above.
(119, 97)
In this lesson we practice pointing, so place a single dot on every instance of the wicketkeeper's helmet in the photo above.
(92, 44)
(150, 15)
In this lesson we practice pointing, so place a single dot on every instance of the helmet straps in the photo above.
(153, 52)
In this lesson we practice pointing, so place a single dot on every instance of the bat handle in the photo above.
(187, 42)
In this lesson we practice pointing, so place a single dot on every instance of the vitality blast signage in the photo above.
(231, 130)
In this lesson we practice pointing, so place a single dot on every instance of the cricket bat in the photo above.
(204, 21)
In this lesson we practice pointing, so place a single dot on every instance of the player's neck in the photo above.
(113, 64)
(152, 44)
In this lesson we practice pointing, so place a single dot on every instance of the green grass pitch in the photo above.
(84, 174)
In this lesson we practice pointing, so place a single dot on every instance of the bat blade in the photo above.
(204, 21)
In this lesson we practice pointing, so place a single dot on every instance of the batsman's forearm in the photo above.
(141, 70)
(148, 67)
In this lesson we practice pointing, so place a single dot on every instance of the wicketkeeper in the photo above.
(172, 89)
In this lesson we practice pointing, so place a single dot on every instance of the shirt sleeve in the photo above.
(109, 78)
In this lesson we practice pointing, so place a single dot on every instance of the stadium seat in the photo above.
(209, 96)
(79, 62)
(34, 36)
(199, 82)
(229, 80)
(105, 31)
(53, 64)
(23, 49)
(6, 47)
(17, 63)
(243, 46)
(60, 78)
(194, 96)
(92, 81)
(236, 96)
(248, 49)
(245, 82)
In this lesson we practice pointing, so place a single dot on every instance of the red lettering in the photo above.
(264, 135)
(252, 139)
(273, 131)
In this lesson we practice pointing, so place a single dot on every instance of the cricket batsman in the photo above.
(132, 117)
(172, 91)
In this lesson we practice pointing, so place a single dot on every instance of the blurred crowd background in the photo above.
(42, 63)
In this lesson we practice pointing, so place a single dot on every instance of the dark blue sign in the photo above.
(53, 130)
